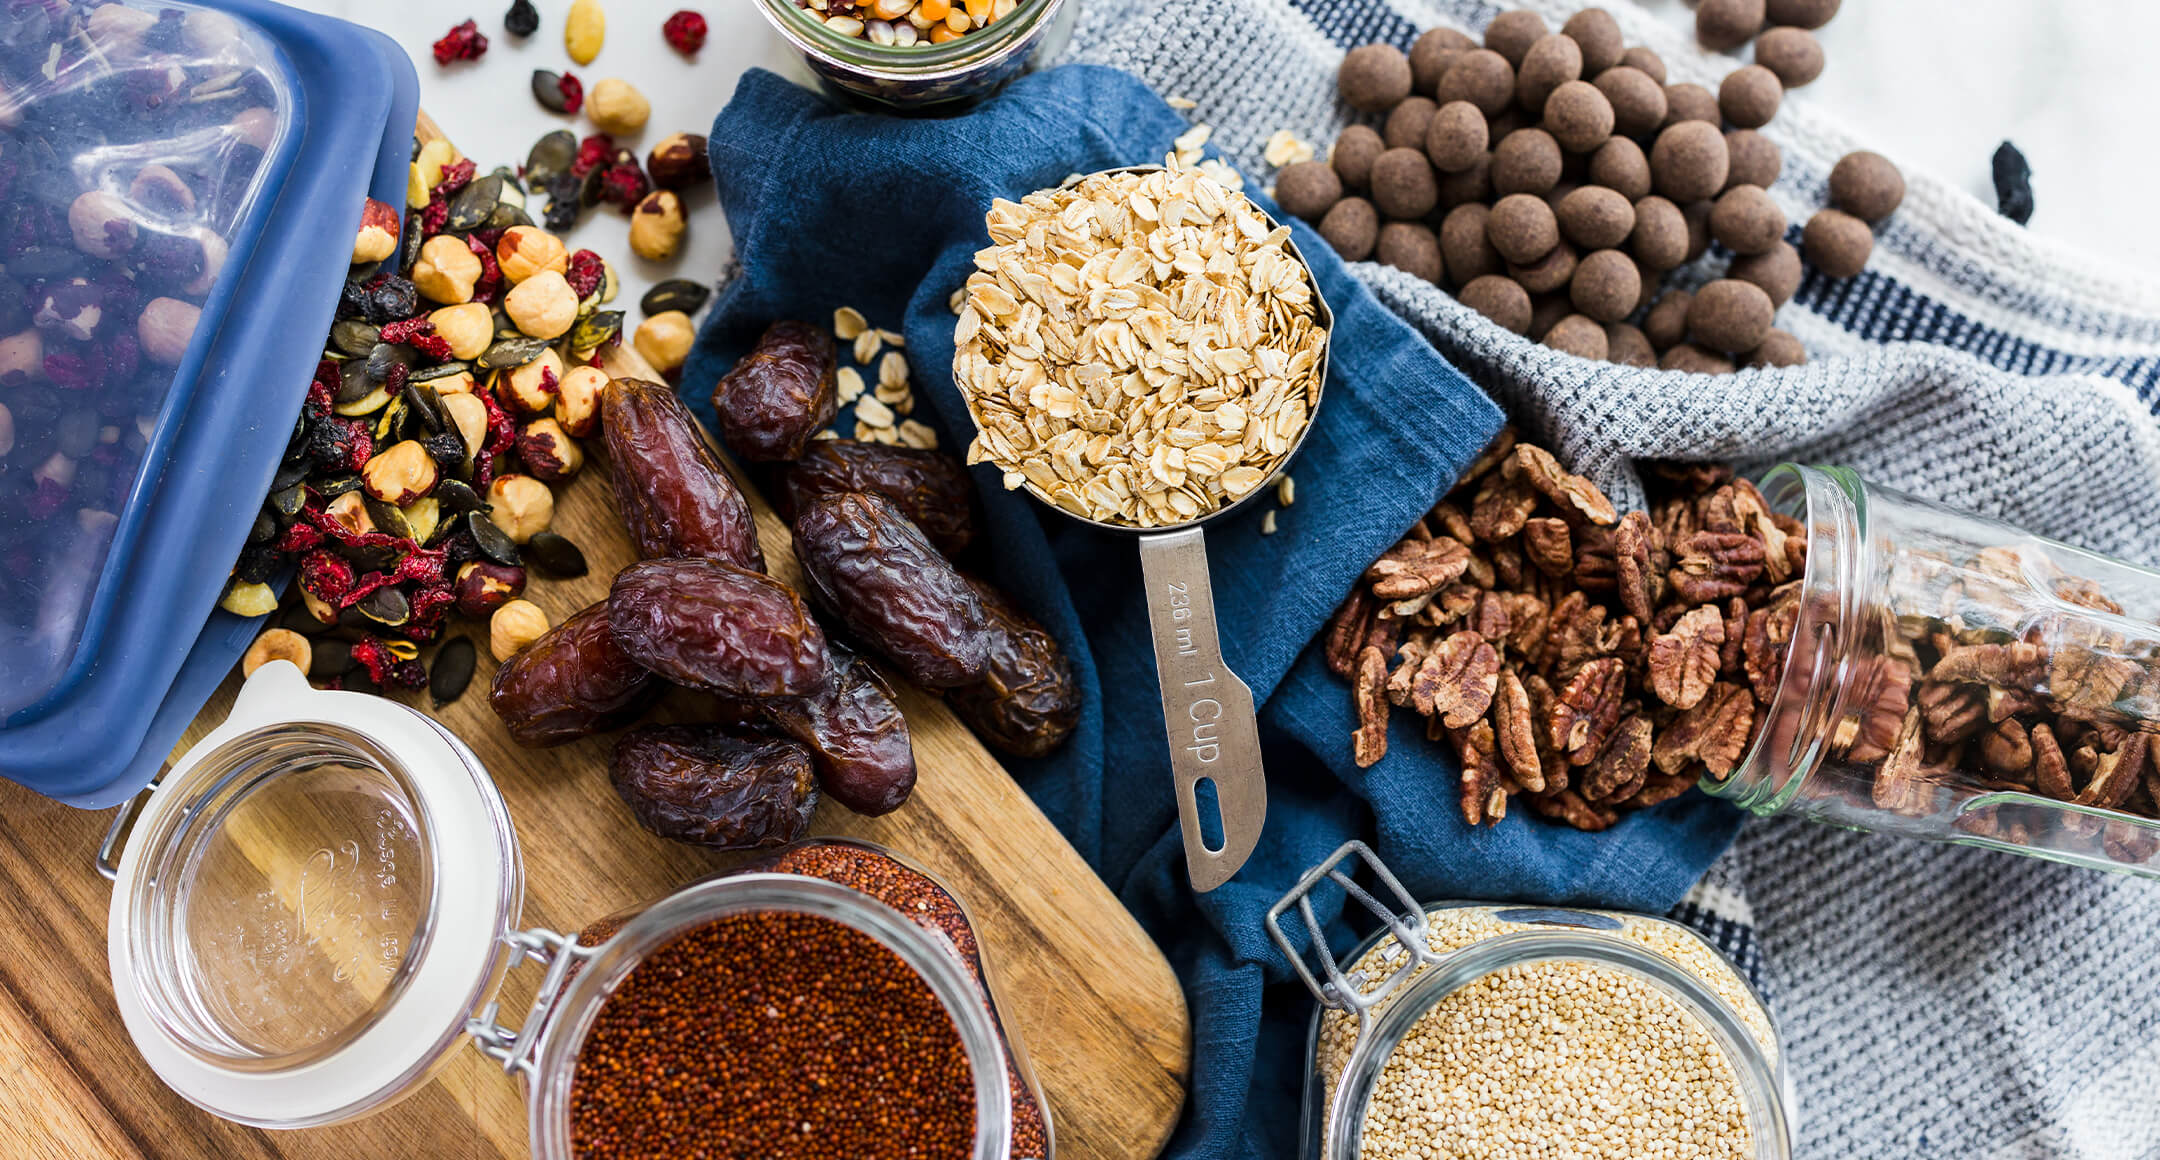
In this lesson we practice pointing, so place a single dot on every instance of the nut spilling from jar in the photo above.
(907, 23)
(1140, 348)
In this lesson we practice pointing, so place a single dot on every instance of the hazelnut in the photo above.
(524, 251)
(1456, 137)
(544, 305)
(118, 30)
(1866, 185)
(522, 506)
(515, 625)
(664, 339)
(484, 586)
(1406, 123)
(1577, 335)
(458, 383)
(577, 396)
(1724, 25)
(160, 190)
(399, 474)
(657, 225)
(321, 610)
(70, 307)
(548, 451)
(1374, 77)
(1352, 227)
(22, 358)
(257, 126)
(1598, 34)
(349, 511)
(617, 108)
(447, 270)
(249, 600)
(1498, 298)
(1482, 77)
(1410, 247)
(679, 162)
(213, 259)
(1308, 189)
(277, 644)
(531, 389)
(103, 224)
(1749, 96)
(377, 237)
(470, 415)
(165, 328)
(468, 327)
(1512, 33)
(1353, 156)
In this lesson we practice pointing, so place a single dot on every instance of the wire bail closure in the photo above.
(561, 954)
(1406, 922)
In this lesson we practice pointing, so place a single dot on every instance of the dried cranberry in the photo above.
(685, 32)
(490, 279)
(591, 152)
(408, 674)
(325, 576)
(437, 213)
(372, 654)
(407, 329)
(463, 42)
(456, 176)
(573, 93)
(585, 272)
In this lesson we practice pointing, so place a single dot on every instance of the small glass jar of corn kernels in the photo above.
(1490, 1030)
(920, 54)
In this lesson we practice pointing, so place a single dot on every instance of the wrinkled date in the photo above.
(571, 683)
(698, 784)
(779, 395)
(929, 487)
(875, 570)
(1027, 704)
(713, 626)
(856, 735)
(670, 490)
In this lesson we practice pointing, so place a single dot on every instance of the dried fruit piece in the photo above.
(702, 785)
(1684, 662)
(870, 566)
(780, 394)
(522, 20)
(669, 488)
(1027, 703)
(856, 734)
(711, 625)
(685, 32)
(931, 488)
(462, 42)
(571, 683)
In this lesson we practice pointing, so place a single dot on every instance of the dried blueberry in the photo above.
(522, 20)
(391, 299)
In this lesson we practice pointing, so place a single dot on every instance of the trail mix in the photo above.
(906, 23)
(1552, 179)
(1591, 661)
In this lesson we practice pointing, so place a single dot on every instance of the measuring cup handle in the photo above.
(1207, 710)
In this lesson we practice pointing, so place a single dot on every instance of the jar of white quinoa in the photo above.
(1497, 1031)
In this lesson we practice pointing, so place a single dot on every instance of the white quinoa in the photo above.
(1554, 1059)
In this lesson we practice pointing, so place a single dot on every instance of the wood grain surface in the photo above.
(1098, 1010)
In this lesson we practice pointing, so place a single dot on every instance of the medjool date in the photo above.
(856, 735)
(874, 569)
(698, 784)
(1027, 703)
(929, 487)
(713, 626)
(671, 491)
(572, 682)
(780, 394)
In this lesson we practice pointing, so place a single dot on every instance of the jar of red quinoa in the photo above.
(1497, 1031)
(319, 902)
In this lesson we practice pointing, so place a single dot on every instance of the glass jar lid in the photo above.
(311, 906)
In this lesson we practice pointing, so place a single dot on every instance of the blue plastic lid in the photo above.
(237, 126)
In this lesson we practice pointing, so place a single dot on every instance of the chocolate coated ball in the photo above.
(1693, 359)
(1638, 103)
(1513, 32)
(1777, 270)
(1465, 249)
(1697, 216)
(1406, 123)
(1409, 247)
(1308, 189)
(1549, 273)
(1660, 237)
(1430, 55)
(1754, 159)
(1802, 13)
(1866, 185)
(1745, 220)
(1499, 299)
(1730, 315)
(1528, 161)
(1355, 151)
(1598, 34)
(1351, 228)
(1837, 243)
(1666, 323)
(1724, 25)
(1482, 77)
(1594, 217)
(1645, 60)
(1470, 185)
(1621, 165)
(1690, 102)
(1455, 138)
(1577, 335)
(1403, 186)
(1778, 349)
(1552, 61)
(1688, 163)
(1373, 77)
(1606, 286)
(1749, 96)
(1522, 227)
(1792, 53)
(1546, 310)
(1578, 116)
(1628, 346)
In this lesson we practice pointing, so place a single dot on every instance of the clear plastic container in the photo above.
(1410, 1002)
(1952, 677)
(924, 76)
(321, 900)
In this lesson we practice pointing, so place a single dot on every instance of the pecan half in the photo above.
(1500, 508)
(1409, 655)
(1621, 766)
(1684, 662)
(1346, 630)
(1716, 565)
(1528, 618)
(2115, 774)
(1569, 493)
(1714, 732)
(1951, 712)
(1597, 568)
(1369, 743)
(1495, 453)
(1545, 541)
(1631, 564)
(1569, 806)
(1715, 511)
(1450, 520)
(1516, 730)
(2084, 681)
(1754, 513)
(1572, 636)
(1903, 784)
(1584, 713)
(2012, 665)
(1417, 567)
(1456, 680)
(1764, 644)
(1449, 605)
(2007, 751)
(1484, 794)
(2051, 770)
(1658, 788)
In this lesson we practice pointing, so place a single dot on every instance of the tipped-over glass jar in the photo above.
(1495, 1031)
(856, 53)
(1952, 677)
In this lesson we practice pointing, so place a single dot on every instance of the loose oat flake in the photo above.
(1141, 348)
(1285, 148)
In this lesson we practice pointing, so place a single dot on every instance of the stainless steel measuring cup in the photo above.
(1207, 711)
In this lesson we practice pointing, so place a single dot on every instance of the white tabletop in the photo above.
(1933, 84)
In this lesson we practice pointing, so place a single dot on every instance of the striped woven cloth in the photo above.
(1936, 1001)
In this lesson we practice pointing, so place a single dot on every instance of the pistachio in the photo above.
(524, 251)
(484, 586)
(249, 600)
(277, 644)
(515, 625)
(468, 327)
(349, 511)
(399, 474)
(617, 108)
(531, 389)
(664, 339)
(377, 237)
(447, 269)
(679, 161)
(521, 506)
(103, 224)
(543, 306)
(656, 228)
(165, 327)
(548, 451)
(469, 415)
(22, 357)
(577, 400)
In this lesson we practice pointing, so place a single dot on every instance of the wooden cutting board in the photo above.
(1099, 1011)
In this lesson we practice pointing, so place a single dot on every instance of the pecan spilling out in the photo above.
(1590, 659)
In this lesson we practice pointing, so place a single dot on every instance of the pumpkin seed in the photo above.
(287, 501)
(592, 331)
(297, 618)
(264, 529)
(327, 658)
(354, 337)
(366, 404)
(357, 680)
(452, 671)
(337, 485)
(491, 540)
(552, 154)
(353, 381)
(287, 476)
(426, 407)
(387, 518)
(387, 607)
(675, 294)
(458, 497)
(512, 352)
(474, 204)
(547, 89)
(438, 371)
(555, 555)
(390, 424)
(387, 355)
(378, 558)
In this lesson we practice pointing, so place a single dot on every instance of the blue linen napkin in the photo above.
(829, 209)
